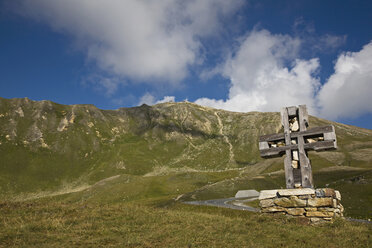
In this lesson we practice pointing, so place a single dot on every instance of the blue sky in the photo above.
(235, 55)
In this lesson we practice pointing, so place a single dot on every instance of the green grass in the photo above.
(356, 191)
(137, 188)
(136, 211)
(116, 205)
(255, 204)
(59, 224)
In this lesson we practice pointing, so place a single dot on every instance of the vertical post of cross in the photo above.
(296, 120)
(305, 166)
(289, 179)
(303, 176)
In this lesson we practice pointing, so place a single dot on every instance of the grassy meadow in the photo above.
(83, 177)
(136, 224)
(133, 211)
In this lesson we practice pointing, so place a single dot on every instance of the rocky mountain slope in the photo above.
(45, 146)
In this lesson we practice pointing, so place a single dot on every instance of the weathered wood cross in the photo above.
(295, 142)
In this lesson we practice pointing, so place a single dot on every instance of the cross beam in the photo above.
(295, 142)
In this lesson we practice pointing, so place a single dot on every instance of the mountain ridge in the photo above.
(45, 145)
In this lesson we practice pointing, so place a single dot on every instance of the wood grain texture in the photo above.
(310, 132)
(305, 166)
(318, 138)
(289, 179)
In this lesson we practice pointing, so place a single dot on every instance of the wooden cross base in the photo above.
(295, 142)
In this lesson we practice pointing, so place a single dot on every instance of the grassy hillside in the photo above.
(48, 149)
(137, 211)
(53, 224)
(44, 145)
(77, 175)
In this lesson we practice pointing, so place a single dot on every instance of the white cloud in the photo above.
(330, 42)
(152, 40)
(167, 99)
(348, 92)
(158, 40)
(148, 99)
(265, 75)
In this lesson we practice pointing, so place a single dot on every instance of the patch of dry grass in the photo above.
(56, 224)
(362, 154)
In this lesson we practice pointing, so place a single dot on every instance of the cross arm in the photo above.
(316, 146)
(275, 151)
(328, 142)
(310, 132)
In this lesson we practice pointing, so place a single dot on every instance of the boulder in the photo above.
(273, 209)
(295, 155)
(338, 195)
(337, 211)
(329, 192)
(319, 214)
(295, 211)
(294, 127)
(341, 207)
(291, 202)
(297, 185)
(289, 192)
(326, 209)
(294, 164)
(326, 192)
(304, 196)
(320, 202)
(266, 203)
(265, 194)
(335, 203)
(310, 140)
(316, 220)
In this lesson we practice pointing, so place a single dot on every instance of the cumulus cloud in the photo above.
(167, 99)
(156, 41)
(347, 93)
(265, 75)
(149, 99)
(152, 40)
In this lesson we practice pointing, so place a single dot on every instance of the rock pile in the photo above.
(318, 205)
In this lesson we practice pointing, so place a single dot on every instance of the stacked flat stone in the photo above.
(317, 205)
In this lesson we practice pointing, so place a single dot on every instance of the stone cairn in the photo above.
(317, 205)
(300, 198)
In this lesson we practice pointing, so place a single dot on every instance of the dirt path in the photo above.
(226, 138)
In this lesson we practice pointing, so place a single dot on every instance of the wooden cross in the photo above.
(295, 142)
